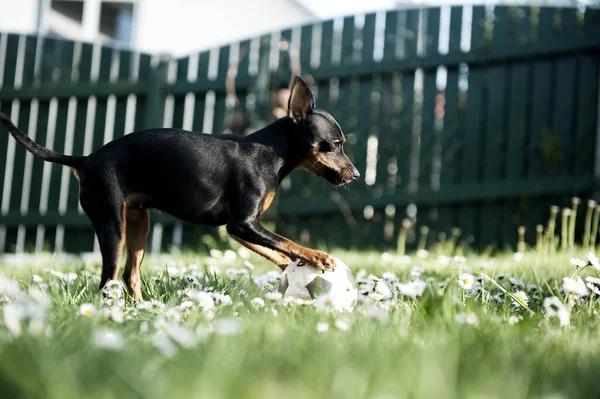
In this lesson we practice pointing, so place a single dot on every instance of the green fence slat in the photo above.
(500, 36)
(405, 129)
(432, 34)
(427, 140)
(472, 159)
(591, 23)
(326, 44)
(570, 28)
(478, 21)
(494, 133)
(365, 107)
(368, 39)
(123, 74)
(106, 54)
(566, 70)
(391, 35)
(348, 37)
(546, 31)
(220, 98)
(23, 123)
(10, 69)
(179, 103)
(285, 66)
(306, 36)
(451, 143)
(10, 60)
(141, 101)
(587, 114)
(517, 122)
(411, 32)
(541, 129)
(243, 74)
(520, 25)
(200, 98)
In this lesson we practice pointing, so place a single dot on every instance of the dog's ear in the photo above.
(301, 100)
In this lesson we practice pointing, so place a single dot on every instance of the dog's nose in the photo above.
(355, 173)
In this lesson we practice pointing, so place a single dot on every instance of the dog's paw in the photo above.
(321, 260)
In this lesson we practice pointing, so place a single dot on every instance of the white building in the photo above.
(157, 26)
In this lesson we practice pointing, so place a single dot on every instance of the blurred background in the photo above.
(466, 120)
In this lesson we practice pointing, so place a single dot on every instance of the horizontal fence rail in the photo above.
(476, 117)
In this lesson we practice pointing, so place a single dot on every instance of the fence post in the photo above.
(155, 95)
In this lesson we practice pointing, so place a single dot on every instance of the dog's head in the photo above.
(325, 156)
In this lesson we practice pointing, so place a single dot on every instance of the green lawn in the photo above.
(204, 335)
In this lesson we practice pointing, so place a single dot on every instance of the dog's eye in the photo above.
(324, 146)
(337, 144)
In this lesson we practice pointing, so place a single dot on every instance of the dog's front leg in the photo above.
(273, 246)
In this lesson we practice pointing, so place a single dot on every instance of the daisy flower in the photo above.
(466, 281)
(593, 260)
(258, 303)
(412, 289)
(322, 327)
(553, 307)
(520, 298)
(578, 262)
(467, 318)
(575, 286)
(109, 339)
(342, 324)
(512, 320)
(87, 310)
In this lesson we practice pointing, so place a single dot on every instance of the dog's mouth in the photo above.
(337, 179)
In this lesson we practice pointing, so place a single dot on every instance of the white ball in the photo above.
(305, 281)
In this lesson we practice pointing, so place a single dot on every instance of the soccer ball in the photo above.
(307, 282)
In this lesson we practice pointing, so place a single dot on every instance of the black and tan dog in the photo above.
(203, 179)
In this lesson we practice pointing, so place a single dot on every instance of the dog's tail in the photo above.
(38, 150)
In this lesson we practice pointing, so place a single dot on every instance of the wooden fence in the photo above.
(472, 117)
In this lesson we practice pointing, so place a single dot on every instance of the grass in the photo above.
(448, 342)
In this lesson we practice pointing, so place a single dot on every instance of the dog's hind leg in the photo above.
(137, 223)
(108, 217)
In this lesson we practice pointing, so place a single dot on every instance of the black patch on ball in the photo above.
(317, 286)
(283, 284)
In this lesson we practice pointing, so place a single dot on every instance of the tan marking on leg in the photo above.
(274, 256)
(267, 201)
(138, 226)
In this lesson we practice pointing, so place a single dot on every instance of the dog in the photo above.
(203, 179)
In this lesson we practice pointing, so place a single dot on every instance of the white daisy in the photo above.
(181, 335)
(413, 288)
(512, 320)
(422, 253)
(13, 315)
(466, 281)
(322, 327)
(164, 345)
(383, 288)
(37, 327)
(342, 324)
(467, 318)
(204, 299)
(376, 296)
(521, 298)
(553, 307)
(87, 310)
(325, 303)
(228, 327)
(273, 296)
(575, 286)
(578, 262)
(593, 260)
(110, 339)
(258, 303)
